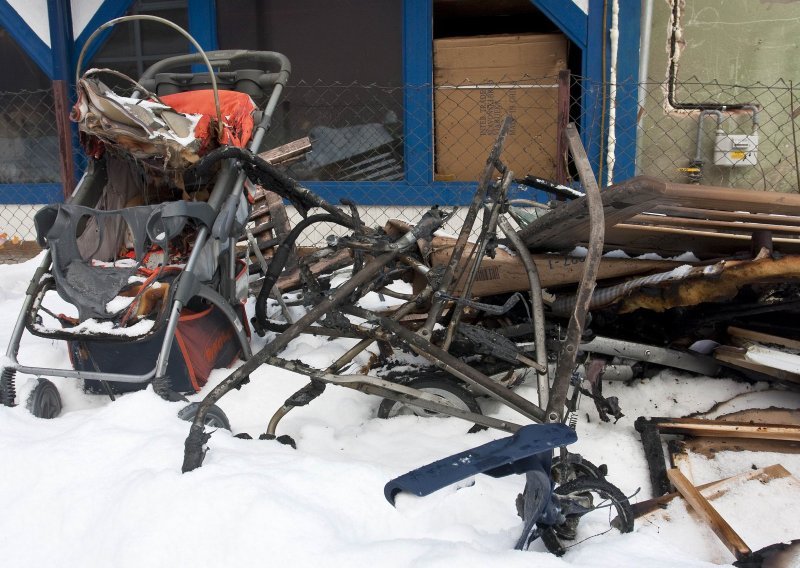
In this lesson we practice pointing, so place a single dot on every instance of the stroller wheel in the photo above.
(215, 418)
(449, 390)
(599, 504)
(44, 401)
(574, 466)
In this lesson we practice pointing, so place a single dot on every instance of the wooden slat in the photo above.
(700, 504)
(718, 215)
(724, 226)
(728, 429)
(713, 489)
(505, 272)
(287, 152)
(763, 337)
(724, 198)
(669, 240)
(567, 225)
(736, 357)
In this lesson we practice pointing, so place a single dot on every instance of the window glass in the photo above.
(28, 138)
(133, 46)
(346, 89)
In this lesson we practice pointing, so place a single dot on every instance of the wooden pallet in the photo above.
(269, 222)
(645, 214)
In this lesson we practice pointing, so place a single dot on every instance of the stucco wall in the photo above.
(725, 43)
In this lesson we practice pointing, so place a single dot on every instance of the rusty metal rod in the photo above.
(478, 251)
(193, 452)
(569, 349)
(537, 308)
(348, 356)
(447, 362)
(458, 249)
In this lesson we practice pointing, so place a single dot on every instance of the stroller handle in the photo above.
(225, 58)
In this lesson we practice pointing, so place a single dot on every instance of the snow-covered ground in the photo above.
(101, 484)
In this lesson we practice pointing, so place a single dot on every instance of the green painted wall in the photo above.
(731, 51)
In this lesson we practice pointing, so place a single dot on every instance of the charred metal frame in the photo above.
(446, 296)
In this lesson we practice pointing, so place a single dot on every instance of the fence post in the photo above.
(62, 42)
(563, 119)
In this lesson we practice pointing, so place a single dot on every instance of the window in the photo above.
(133, 46)
(346, 89)
(28, 138)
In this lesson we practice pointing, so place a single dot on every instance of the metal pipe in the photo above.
(698, 153)
(19, 327)
(193, 452)
(477, 255)
(348, 356)
(537, 308)
(393, 391)
(569, 350)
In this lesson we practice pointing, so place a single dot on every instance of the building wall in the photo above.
(741, 51)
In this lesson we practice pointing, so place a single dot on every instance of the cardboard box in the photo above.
(480, 80)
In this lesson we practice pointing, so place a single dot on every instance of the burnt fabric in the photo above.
(204, 340)
(237, 115)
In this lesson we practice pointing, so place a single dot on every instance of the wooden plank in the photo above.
(760, 337)
(287, 152)
(724, 198)
(670, 240)
(713, 489)
(719, 215)
(567, 225)
(13, 252)
(64, 130)
(728, 429)
(701, 505)
(723, 226)
(736, 357)
(291, 280)
(560, 228)
(505, 272)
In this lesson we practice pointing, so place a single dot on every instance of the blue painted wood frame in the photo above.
(418, 94)
(586, 32)
(26, 38)
(630, 16)
(30, 193)
(570, 19)
(203, 23)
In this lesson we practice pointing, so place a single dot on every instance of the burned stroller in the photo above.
(143, 254)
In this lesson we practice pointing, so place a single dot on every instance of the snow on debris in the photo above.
(101, 485)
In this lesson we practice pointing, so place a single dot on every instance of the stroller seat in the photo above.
(91, 283)
(144, 251)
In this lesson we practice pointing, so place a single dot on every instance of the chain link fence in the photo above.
(397, 150)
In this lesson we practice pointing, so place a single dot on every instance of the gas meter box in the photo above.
(735, 150)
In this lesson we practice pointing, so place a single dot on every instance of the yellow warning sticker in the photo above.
(737, 155)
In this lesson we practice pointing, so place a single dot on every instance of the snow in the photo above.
(101, 484)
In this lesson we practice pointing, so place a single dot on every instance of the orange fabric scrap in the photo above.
(236, 109)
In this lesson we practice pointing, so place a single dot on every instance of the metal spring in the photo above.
(8, 390)
(573, 420)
